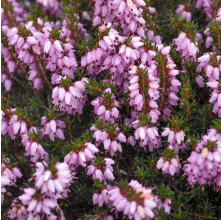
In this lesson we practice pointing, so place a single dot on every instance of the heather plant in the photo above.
(111, 109)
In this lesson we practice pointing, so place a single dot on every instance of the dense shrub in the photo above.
(111, 109)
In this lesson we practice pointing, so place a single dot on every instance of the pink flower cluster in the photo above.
(101, 169)
(166, 205)
(110, 138)
(51, 5)
(128, 54)
(18, 211)
(99, 58)
(53, 128)
(139, 97)
(175, 139)
(206, 5)
(19, 14)
(105, 106)
(101, 198)
(147, 55)
(70, 98)
(212, 69)
(7, 72)
(33, 147)
(171, 166)
(11, 124)
(127, 15)
(183, 12)
(166, 84)
(210, 63)
(53, 182)
(148, 136)
(204, 164)
(38, 206)
(39, 46)
(186, 47)
(8, 177)
(61, 59)
(133, 200)
(24, 46)
(80, 154)
(105, 57)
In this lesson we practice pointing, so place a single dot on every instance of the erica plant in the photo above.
(111, 109)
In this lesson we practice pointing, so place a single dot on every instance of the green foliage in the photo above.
(164, 193)
(93, 87)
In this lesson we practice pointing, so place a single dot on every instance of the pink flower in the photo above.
(12, 124)
(53, 181)
(105, 106)
(53, 128)
(120, 11)
(4, 124)
(37, 204)
(171, 166)
(159, 82)
(186, 47)
(175, 139)
(71, 99)
(206, 5)
(184, 14)
(203, 165)
(86, 16)
(140, 99)
(101, 169)
(66, 64)
(166, 205)
(8, 176)
(210, 63)
(206, 63)
(81, 153)
(155, 39)
(218, 16)
(101, 196)
(11, 67)
(18, 13)
(33, 147)
(52, 6)
(124, 199)
(18, 211)
(148, 135)
(112, 144)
